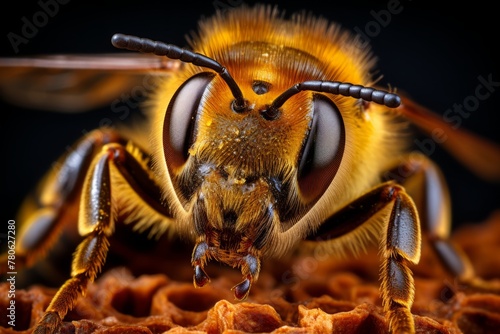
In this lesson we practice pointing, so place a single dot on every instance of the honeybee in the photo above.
(268, 135)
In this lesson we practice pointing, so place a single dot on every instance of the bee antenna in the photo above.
(335, 87)
(145, 45)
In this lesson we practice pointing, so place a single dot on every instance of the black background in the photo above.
(434, 54)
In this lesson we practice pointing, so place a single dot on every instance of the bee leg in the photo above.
(400, 248)
(53, 207)
(426, 185)
(96, 224)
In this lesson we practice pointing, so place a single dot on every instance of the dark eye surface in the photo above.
(180, 119)
(322, 150)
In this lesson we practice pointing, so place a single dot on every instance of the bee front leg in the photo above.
(96, 223)
(426, 185)
(52, 209)
(401, 244)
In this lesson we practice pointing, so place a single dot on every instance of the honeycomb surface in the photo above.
(302, 294)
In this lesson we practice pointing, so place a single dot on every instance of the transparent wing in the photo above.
(76, 83)
(479, 155)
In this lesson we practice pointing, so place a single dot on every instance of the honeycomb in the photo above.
(300, 294)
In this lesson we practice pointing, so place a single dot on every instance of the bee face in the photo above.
(244, 177)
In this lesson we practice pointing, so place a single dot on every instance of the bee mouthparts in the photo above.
(249, 264)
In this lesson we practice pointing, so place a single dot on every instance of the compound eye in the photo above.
(322, 149)
(179, 128)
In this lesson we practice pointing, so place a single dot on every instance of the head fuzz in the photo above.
(239, 104)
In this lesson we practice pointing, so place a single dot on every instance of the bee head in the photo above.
(235, 181)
